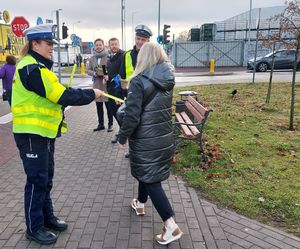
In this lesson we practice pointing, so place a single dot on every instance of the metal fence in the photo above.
(198, 54)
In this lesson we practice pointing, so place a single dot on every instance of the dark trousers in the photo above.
(100, 114)
(113, 107)
(8, 92)
(37, 154)
(158, 198)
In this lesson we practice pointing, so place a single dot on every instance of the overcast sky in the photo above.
(101, 18)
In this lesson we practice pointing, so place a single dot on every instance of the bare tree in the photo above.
(289, 37)
(183, 36)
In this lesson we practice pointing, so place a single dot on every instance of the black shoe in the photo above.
(42, 236)
(56, 224)
(110, 128)
(115, 140)
(127, 155)
(99, 128)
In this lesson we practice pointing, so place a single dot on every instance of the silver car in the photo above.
(284, 59)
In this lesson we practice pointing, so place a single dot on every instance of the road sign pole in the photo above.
(58, 49)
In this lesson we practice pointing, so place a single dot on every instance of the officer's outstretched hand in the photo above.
(98, 93)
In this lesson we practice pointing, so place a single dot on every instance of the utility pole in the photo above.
(123, 24)
(250, 20)
(58, 49)
(158, 30)
(132, 25)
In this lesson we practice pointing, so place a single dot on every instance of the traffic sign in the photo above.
(39, 20)
(6, 16)
(18, 25)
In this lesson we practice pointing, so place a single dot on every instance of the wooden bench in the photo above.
(189, 124)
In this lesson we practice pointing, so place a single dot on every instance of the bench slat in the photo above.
(185, 128)
(187, 120)
(200, 108)
(193, 111)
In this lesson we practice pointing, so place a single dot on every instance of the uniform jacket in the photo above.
(33, 81)
(147, 123)
(134, 53)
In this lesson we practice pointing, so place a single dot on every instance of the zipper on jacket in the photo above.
(30, 145)
(48, 145)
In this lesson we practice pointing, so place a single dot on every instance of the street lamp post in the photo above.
(123, 26)
(74, 26)
(158, 31)
(58, 46)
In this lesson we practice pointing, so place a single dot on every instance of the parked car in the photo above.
(284, 59)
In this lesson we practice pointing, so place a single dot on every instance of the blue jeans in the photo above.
(158, 198)
(37, 154)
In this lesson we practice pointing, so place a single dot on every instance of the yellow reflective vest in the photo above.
(33, 113)
(128, 65)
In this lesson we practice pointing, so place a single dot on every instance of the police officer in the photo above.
(142, 35)
(38, 100)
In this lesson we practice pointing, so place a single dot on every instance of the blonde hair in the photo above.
(149, 55)
(24, 50)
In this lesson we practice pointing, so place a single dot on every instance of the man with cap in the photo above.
(38, 101)
(142, 35)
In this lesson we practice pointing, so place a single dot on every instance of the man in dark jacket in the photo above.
(113, 68)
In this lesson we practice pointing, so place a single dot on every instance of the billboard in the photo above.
(16, 43)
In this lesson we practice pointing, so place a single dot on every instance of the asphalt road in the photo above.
(192, 78)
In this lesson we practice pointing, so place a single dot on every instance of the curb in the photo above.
(203, 74)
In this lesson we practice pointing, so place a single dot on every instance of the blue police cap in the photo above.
(143, 30)
(40, 32)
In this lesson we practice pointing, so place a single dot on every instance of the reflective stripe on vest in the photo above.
(33, 113)
(128, 65)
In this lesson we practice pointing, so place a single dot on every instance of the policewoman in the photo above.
(38, 100)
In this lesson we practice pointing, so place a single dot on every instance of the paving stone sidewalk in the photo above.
(92, 191)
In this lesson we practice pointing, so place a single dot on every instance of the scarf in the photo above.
(100, 54)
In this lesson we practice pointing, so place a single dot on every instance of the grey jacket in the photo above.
(147, 123)
(97, 81)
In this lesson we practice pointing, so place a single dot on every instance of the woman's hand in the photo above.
(122, 146)
(98, 93)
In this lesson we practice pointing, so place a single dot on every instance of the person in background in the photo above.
(7, 72)
(113, 68)
(147, 125)
(96, 69)
(142, 35)
(38, 101)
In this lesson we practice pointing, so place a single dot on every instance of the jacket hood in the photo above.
(161, 75)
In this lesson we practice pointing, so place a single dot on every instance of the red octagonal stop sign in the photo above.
(18, 25)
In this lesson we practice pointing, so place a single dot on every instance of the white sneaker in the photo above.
(138, 207)
(167, 235)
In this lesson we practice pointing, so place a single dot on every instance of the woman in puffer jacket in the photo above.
(147, 125)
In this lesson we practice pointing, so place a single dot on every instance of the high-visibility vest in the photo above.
(128, 65)
(35, 114)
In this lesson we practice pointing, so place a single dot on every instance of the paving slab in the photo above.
(92, 191)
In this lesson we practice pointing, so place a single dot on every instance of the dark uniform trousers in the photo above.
(37, 154)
